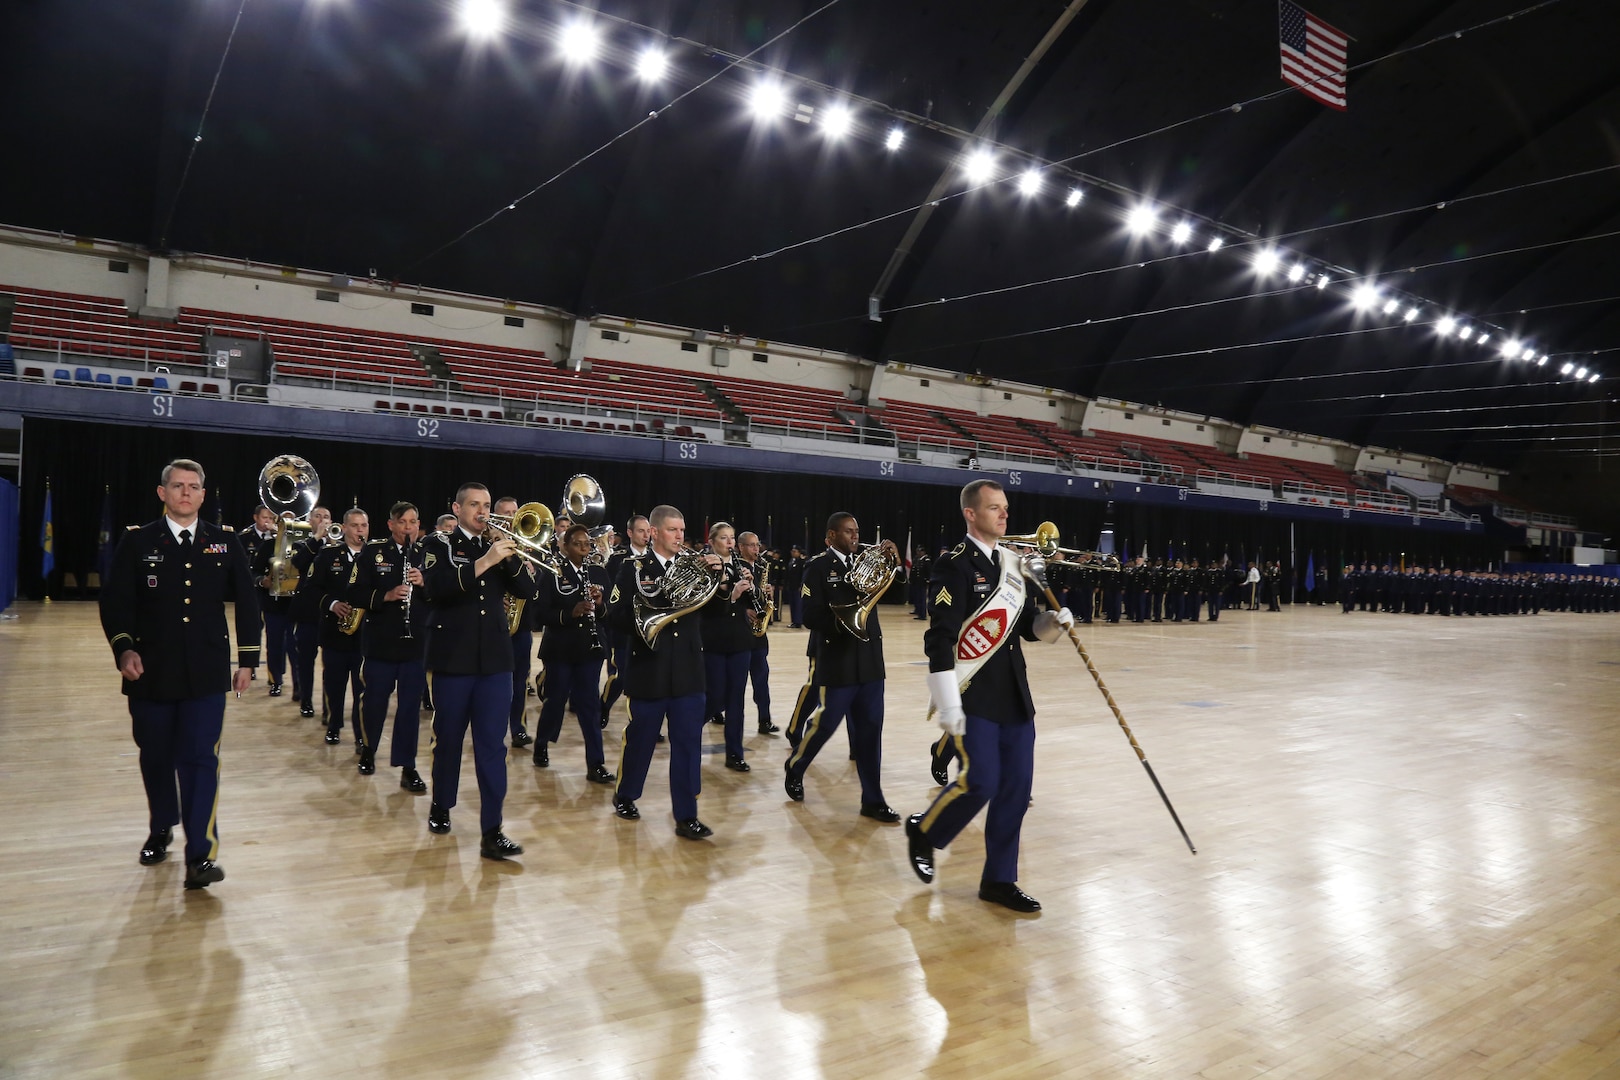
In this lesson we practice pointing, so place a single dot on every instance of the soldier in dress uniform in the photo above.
(759, 663)
(849, 671)
(522, 637)
(163, 611)
(387, 585)
(637, 534)
(466, 576)
(305, 610)
(793, 587)
(992, 718)
(569, 610)
(259, 543)
(663, 681)
(728, 644)
(917, 582)
(332, 575)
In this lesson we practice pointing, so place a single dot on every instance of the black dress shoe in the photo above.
(886, 814)
(692, 829)
(718, 720)
(203, 873)
(438, 819)
(661, 737)
(542, 757)
(411, 781)
(427, 705)
(368, 763)
(359, 746)
(626, 809)
(156, 848)
(1008, 895)
(794, 786)
(334, 737)
(939, 768)
(496, 846)
(737, 764)
(604, 721)
(922, 852)
(522, 738)
(306, 711)
(600, 775)
(766, 727)
(275, 689)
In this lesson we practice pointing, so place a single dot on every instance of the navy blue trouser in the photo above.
(807, 705)
(1214, 606)
(618, 658)
(306, 643)
(522, 646)
(478, 702)
(378, 680)
(338, 670)
(759, 673)
(179, 743)
(863, 705)
(685, 716)
(573, 684)
(276, 628)
(726, 676)
(998, 761)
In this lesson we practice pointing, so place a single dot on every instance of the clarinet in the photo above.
(590, 616)
(405, 579)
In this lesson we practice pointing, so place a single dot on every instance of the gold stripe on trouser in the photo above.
(797, 718)
(360, 697)
(433, 727)
(955, 790)
(811, 727)
(624, 746)
(213, 814)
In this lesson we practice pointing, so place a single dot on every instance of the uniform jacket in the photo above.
(962, 581)
(170, 608)
(380, 568)
(570, 640)
(469, 610)
(259, 551)
(726, 628)
(675, 667)
(334, 572)
(842, 659)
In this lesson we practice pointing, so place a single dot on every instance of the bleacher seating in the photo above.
(314, 351)
(780, 405)
(95, 326)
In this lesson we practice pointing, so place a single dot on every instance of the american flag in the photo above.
(1313, 54)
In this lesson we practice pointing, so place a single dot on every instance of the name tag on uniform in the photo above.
(833, 579)
(152, 558)
(459, 560)
(981, 587)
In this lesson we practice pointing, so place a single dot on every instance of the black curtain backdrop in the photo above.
(84, 460)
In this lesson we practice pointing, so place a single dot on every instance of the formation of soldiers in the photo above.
(1435, 590)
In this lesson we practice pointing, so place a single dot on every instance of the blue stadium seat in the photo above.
(159, 382)
(62, 374)
(103, 379)
(82, 375)
(125, 380)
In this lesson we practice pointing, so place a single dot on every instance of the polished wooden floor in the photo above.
(1409, 865)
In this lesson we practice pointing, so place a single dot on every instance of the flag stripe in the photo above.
(1314, 55)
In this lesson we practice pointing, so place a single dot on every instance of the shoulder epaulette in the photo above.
(958, 549)
(228, 528)
(132, 528)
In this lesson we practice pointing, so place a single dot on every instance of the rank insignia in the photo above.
(942, 598)
(427, 563)
(804, 590)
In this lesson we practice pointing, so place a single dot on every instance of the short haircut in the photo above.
(838, 519)
(184, 465)
(744, 537)
(400, 509)
(630, 525)
(320, 509)
(351, 511)
(443, 520)
(471, 485)
(568, 534)
(662, 513)
(970, 491)
(507, 498)
(257, 510)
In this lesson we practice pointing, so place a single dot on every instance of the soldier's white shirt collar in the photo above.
(174, 528)
(988, 549)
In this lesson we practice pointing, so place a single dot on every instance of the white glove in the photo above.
(1051, 625)
(947, 701)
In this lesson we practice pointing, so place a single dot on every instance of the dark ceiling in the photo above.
(352, 135)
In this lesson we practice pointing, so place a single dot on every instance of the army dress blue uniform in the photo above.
(997, 747)
(728, 645)
(849, 679)
(275, 610)
(391, 650)
(305, 612)
(662, 682)
(615, 643)
(332, 574)
(759, 655)
(469, 656)
(165, 599)
(571, 649)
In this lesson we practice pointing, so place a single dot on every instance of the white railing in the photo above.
(1218, 478)
(1384, 502)
(1149, 471)
(1303, 491)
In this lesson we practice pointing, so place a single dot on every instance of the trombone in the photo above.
(531, 527)
(1045, 541)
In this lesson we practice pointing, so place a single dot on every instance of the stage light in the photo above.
(1411, 313)
(1322, 282)
(836, 121)
(1465, 333)
(1391, 306)
(1296, 273)
(1181, 233)
(1594, 377)
(1528, 353)
(1365, 297)
(1567, 368)
(897, 136)
(1215, 243)
(651, 65)
(767, 101)
(578, 43)
(1483, 339)
(1446, 326)
(1073, 198)
(1510, 349)
(483, 18)
(980, 166)
(1030, 183)
(1580, 373)
(1141, 219)
(1543, 361)
(1265, 261)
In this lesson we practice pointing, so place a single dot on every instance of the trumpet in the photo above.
(334, 535)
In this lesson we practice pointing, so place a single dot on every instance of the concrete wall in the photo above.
(1127, 420)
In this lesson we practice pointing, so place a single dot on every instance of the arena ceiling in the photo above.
(1475, 176)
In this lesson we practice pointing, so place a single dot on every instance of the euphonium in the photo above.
(687, 585)
(871, 572)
